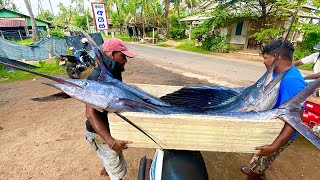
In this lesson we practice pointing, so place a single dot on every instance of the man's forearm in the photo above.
(98, 125)
(297, 63)
(286, 133)
(312, 76)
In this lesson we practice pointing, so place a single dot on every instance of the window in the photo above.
(239, 28)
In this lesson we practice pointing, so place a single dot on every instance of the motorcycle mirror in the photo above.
(84, 40)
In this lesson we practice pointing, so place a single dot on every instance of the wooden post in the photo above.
(190, 31)
(20, 34)
(152, 35)
(26, 30)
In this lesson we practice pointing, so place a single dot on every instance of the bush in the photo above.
(177, 28)
(57, 32)
(217, 44)
(305, 47)
(177, 33)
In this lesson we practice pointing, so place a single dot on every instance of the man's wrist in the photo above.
(110, 141)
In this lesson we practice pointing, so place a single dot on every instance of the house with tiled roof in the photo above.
(15, 25)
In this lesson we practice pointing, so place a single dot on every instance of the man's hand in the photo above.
(265, 150)
(120, 145)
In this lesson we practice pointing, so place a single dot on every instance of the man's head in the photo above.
(117, 50)
(270, 51)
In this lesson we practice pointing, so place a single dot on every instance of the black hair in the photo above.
(274, 47)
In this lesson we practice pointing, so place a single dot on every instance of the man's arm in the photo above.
(312, 76)
(284, 136)
(98, 125)
(297, 63)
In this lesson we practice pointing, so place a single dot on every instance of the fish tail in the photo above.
(293, 118)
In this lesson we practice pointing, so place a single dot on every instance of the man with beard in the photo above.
(108, 149)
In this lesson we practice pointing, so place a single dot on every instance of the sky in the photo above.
(46, 6)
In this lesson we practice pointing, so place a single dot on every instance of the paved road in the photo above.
(215, 69)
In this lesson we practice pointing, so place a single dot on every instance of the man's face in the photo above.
(120, 58)
(268, 59)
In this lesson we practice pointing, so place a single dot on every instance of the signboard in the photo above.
(100, 15)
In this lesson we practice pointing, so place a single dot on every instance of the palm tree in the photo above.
(167, 6)
(35, 32)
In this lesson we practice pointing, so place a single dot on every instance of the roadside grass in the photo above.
(306, 67)
(123, 37)
(10, 75)
(190, 46)
(25, 42)
(164, 45)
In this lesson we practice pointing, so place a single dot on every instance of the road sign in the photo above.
(100, 15)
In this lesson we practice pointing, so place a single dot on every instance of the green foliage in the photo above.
(203, 28)
(50, 68)
(81, 20)
(190, 46)
(45, 15)
(123, 37)
(177, 30)
(57, 32)
(25, 42)
(267, 35)
(311, 37)
(63, 19)
(42, 63)
(177, 33)
(306, 67)
(216, 44)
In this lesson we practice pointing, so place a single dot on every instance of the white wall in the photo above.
(239, 39)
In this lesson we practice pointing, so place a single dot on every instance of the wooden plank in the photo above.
(194, 132)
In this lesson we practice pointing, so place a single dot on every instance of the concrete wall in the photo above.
(239, 39)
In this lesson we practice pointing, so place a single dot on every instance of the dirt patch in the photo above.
(245, 54)
(45, 140)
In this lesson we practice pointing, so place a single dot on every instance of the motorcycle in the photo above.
(79, 62)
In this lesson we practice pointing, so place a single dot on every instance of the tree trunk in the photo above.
(167, 13)
(263, 13)
(119, 16)
(35, 32)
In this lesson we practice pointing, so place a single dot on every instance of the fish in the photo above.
(112, 97)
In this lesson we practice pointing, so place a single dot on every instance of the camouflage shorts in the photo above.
(259, 164)
(113, 162)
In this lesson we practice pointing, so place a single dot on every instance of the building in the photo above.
(15, 25)
(241, 32)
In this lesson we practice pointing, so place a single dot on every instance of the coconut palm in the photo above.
(35, 31)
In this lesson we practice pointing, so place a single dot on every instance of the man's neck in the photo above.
(282, 66)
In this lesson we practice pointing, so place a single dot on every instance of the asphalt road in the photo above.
(218, 70)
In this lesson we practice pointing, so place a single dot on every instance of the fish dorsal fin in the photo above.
(200, 97)
(98, 54)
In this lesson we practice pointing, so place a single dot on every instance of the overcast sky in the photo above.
(46, 6)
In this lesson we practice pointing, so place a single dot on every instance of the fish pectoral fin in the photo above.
(53, 97)
(140, 106)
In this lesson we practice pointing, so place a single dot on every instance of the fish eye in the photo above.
(85, 83)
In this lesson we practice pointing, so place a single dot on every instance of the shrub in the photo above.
(217, 44)
(177, 33)
(57, 32)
